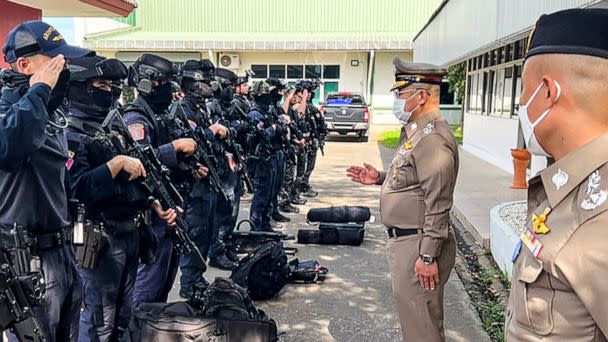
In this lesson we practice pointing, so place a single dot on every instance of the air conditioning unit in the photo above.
(229, 61)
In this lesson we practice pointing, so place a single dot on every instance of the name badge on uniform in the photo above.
(531, 242)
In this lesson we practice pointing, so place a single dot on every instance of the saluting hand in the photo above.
(367, 175)
(49, 72)
(428, 275)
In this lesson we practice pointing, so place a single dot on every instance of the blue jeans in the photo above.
(227, 211)
(108, 290)
(59, 311)
(264, 174)
(154, 282)
(200, 218)
(279, 166)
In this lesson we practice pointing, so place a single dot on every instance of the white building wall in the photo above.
(464, 26)
(492, 138)
(351, 78)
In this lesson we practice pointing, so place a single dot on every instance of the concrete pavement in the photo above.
(480, 187)
(355, 303)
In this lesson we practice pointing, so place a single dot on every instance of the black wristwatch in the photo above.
(427, 259)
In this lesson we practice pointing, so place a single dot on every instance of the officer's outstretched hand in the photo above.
(428, 275)
(169, 215)
(49, 72)
(367, 174)
(185, 145)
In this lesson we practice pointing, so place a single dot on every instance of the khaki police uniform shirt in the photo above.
(417, 190)
(560, 281)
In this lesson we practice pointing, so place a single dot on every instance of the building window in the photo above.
(313, 71)
(295, 71)
(517, 89)
(329, 87)
(507, 103)
(445, 95)
(261, 71)
(331, 71)
(277, 71)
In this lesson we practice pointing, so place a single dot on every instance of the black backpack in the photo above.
(265, 272)
(179, 322)
(225, 299)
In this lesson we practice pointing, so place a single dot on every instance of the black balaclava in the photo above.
(264, 101)
(197, 91)
(275, 97)
(226, 95)
(91, 100)
(160, 98)
(59, 92)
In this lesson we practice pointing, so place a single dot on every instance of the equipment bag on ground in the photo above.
(264, 273)
(350, 234)
(306, 272)
(179, 322)
(248, 241)
(342, 214)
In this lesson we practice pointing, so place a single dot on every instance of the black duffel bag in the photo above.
(306, 272)
(342, 214)
(350, 234)
(179, 322)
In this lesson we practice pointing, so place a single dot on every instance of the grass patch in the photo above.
(390, 138)
(457, 129)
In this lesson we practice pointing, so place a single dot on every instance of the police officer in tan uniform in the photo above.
(416, 199)
(560, 281)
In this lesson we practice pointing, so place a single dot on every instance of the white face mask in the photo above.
(527, 126)
(399, 109)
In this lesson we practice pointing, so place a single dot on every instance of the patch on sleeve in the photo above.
(138, 132)
(70, 162)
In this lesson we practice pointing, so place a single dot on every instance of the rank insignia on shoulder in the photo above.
(595, 196)
(538, 222)
(408, 145)
(428, 129)
(531, 242)
(70, 162)
(137, 131)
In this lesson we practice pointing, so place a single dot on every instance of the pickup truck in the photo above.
(346, 112)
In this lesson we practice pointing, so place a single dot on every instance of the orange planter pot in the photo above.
(521, 159)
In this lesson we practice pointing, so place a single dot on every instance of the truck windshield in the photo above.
(345, 99)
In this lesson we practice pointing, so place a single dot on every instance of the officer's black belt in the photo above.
(397, 232)
(116, 227)
(37, 241)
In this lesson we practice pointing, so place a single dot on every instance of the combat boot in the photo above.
(222, 262)
(278, 217)
(288, 208)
